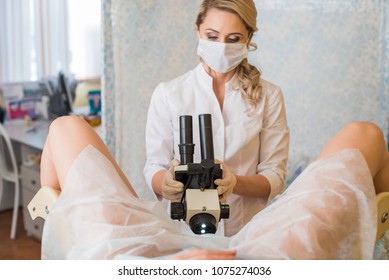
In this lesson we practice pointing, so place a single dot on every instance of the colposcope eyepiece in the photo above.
(206, 138)
(186, 145)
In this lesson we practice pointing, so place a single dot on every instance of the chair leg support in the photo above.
(15, 211)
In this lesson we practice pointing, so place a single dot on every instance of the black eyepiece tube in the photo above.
(206, 138)
(186, 145)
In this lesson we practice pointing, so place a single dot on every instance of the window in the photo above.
(40, 38)
(84, 37)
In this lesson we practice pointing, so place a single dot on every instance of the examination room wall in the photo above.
(330, 59)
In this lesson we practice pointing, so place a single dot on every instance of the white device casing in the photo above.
(42, 202)
(202, 201)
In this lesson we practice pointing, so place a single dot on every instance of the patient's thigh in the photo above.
(327, 213)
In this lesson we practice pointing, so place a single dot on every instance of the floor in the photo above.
(22, 247)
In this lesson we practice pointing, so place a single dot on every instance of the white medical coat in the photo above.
(248, 144)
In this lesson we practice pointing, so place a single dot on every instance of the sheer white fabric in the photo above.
(329, 212)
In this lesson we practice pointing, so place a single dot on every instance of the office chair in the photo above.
(9, 171)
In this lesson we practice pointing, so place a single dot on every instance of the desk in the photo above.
(33, 136)
(27, 140)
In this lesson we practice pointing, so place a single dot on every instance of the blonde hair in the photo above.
(248, 75)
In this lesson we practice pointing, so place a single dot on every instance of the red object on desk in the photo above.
(19, 108)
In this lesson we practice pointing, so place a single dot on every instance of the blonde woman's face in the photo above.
(222, 26)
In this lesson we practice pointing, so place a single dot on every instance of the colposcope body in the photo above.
(199, 207)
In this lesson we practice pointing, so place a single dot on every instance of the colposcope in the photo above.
(199, 205)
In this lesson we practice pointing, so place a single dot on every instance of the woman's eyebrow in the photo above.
(212, 30)
(233, 33)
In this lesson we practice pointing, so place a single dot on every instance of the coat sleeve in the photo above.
(159, 135)
(274, 136)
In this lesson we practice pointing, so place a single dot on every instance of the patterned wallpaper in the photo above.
(329, 57)
(145, 42)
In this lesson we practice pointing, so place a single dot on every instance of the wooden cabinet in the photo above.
(30, 186)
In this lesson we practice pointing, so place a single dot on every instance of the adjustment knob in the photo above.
(177, 211)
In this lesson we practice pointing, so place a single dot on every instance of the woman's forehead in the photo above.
(223, 22)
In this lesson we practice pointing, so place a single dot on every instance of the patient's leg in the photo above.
(369, 139)
(326, 212)
(67, 138)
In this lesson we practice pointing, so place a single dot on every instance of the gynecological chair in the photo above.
(382, 214)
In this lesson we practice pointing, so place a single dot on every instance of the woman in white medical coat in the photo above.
(250, 132)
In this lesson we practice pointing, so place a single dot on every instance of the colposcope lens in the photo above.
(203, 223)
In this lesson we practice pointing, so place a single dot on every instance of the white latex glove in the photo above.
(226, 185)
(172, 189)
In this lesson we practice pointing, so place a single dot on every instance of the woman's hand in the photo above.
(205, 254)
(226, 185)
(172, 189)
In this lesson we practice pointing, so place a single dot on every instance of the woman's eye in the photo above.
(233, 40)
(212, 38)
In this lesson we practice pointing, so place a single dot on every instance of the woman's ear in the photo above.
(197, 30)
(251, 46)
(249, 39)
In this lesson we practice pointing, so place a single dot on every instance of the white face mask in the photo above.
(221, 57)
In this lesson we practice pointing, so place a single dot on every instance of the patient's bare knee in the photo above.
(63, 124)
(364, 130)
